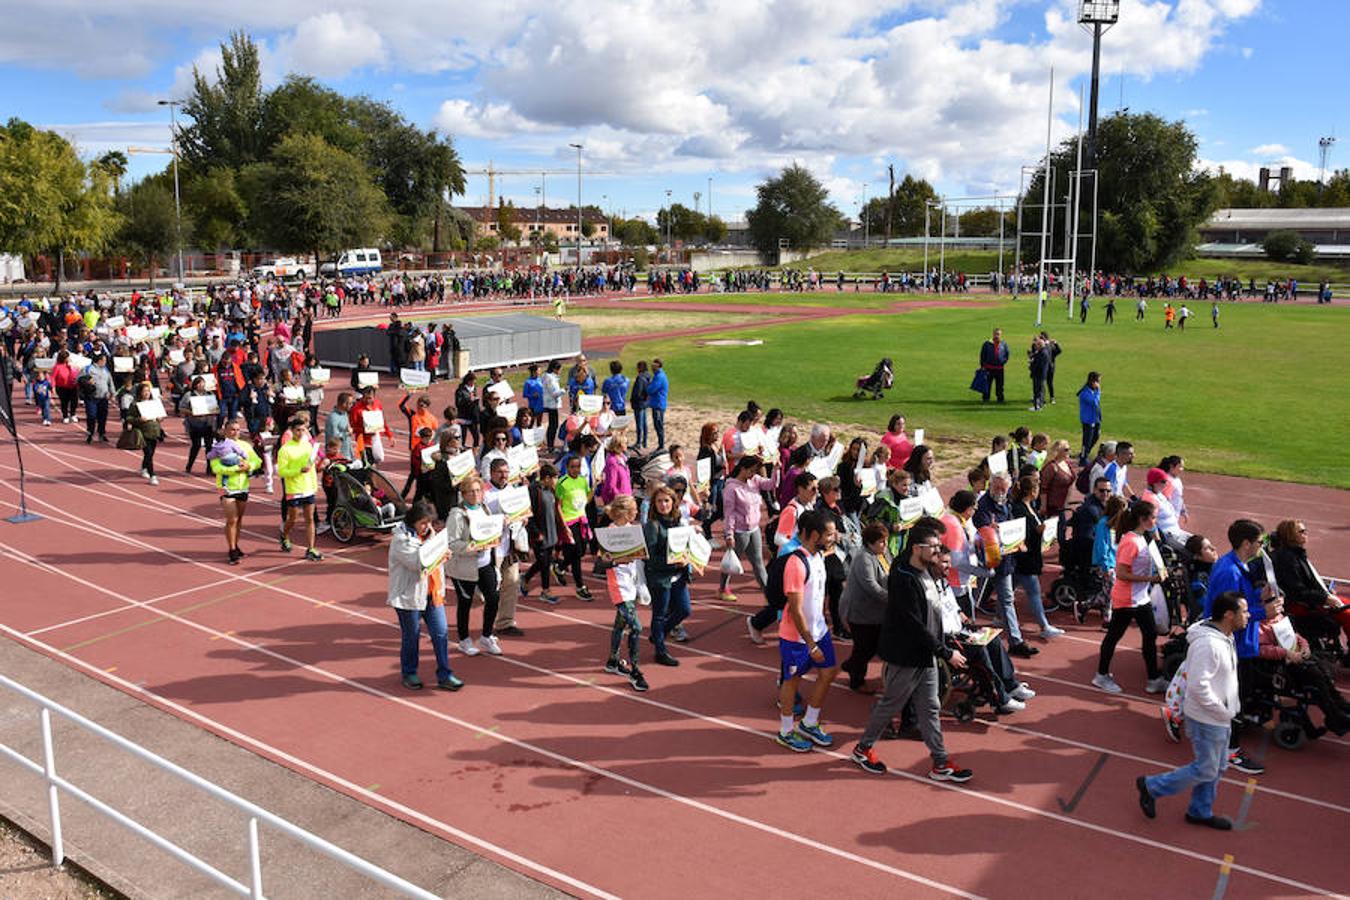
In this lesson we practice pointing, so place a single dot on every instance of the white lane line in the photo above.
(498, 735)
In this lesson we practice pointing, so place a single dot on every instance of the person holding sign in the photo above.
(96, 398)
(418, 419)
(199, 418)
(513, 505)
(991, 511)
(667, 574)
(1029, 564)
(232, 467)
(300, 483)
(1138, 569)
(369, 427)
(66, 381)
(148, 426)
(626, 580)
(475, 545)
(574, 492)
(417, 595)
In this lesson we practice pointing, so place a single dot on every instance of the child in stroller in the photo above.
(881, 379)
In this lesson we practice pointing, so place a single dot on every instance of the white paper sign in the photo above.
(703, 472)
(514, 502)
(77, 361)
(414, 380)
(1155, 557)
(867, 480)
(429, 456)
(151, 409)
(115, 321)
(434, 550)
(911, 510)
(932, 501)
(523, 460)
(1284, 632)
(532, 437)
(460, 466)
(751, 441)
(367, 379)
(485, 530)
(618, 423)
(918, 436)
(319, 376)
(203, 404)
(372, 419)
(1011, 534)
(997, 462)
(700, 551)
(820, 467)
(293, 393)
(44, 363)
(589, 403)
(189, 334)
(677, 544)
(208, 380)
(175, 356)
(622, 542)
(123, 363)
(502, 390)
(137, 333)
(508, 411)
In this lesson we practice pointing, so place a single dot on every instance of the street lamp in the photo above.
(578, 148)
(609, 219)
(177, 203)
(670, 230)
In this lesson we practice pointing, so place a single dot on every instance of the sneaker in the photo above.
(412, 682)
(1244, 763)
(815, 734)
(559, 575)
(1218, 823)
(1145, 798)
(467, 648)
(453, 683)
(285, 545)
(612, 665)
(1022, 692)
(867, 760)
(1155, 685)
(1013, 705)
(550, 599)
(794, 742)
(949, 771)
(154, 480)
(585, 593)
(313, 555)
(46, 422)
(679, 634)
(1022, 649)
(489, 645)
(1172, 726)
(1050, 632)
(718, 544)
(323, 528)
(727, 597)
(1106, 683)
(665, 659)
(637, 681)
(756, 636)
(145, 473)
(510, 631)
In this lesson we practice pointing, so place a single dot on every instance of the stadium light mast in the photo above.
(1323, 151)
(578, 148)
(1096, 17)
(177, 204)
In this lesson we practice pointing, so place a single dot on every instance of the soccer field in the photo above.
(1264, 396)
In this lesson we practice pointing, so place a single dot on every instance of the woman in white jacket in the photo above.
(1210, 705)
(417, 594)
(553, 394)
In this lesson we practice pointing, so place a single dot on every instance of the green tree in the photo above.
(906, 208)
(1285, 245)
(714, 230)
(980, 222)
(634, 232)
(792, 206)
(226, 114)
(149, 229)
(302, 105)
(216, 207)
(587, 228)
(50, 201)
(317, 197)
(507, 229)
(115, 163)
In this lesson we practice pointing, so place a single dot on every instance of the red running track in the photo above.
(549, 765)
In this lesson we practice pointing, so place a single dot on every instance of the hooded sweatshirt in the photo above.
(1211, 675)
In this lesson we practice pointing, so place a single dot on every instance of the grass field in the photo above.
(1264, 396)
(864, 299)
(982, 261)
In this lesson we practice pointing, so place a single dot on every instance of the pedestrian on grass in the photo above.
(993, 357)
(658, 394)
(1090, 413)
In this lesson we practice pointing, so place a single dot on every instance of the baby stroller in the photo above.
(881, 379)
(364, 498)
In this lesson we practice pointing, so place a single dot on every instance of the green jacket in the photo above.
(234, 479)
(885, 509)
(291, 458)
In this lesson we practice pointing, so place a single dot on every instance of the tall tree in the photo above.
(906, 208)
(115, 163)
(218, 211)
(149, 230)
(982, 221)
(227, 112)
(793, 206)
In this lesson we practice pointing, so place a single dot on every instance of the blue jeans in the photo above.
(1202, 776)
(1031, 586)
(1007, 612)
(410, 624)
(640, 420)
(229, 407)
(659, 423)
(670, 607)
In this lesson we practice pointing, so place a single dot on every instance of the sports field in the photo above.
(1262, 396)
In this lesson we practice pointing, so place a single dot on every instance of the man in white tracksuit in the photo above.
(1210, 705)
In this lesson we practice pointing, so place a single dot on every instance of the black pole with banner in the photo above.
(7, 371)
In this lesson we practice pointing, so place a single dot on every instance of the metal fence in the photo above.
(256, 814)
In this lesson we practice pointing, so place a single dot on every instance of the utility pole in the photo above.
(177, 203)
(578, 148)
(670, 230)
(890, 202)
(866, 233)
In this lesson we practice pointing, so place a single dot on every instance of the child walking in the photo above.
(623, 580)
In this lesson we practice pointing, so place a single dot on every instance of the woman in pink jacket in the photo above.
(741, 511)
(616, 480)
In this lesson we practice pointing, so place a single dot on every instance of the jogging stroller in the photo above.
(364, 499)
(874, 385)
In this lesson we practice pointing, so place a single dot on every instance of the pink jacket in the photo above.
(615, 480)
(741, 503)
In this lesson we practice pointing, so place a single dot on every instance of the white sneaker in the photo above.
(154, 480)
(1156, 685)
(74, 419)
(269, 487)
(323, 528)
(145, 473)
(468, 649)
(490, 645)
(1013, 705)
(1022, 692)
(1050, 631)
(756, 635)
(46, 422)
(1106, 683)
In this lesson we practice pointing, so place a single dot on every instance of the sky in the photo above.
(667, 94)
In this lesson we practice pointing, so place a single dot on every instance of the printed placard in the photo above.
(208, 380)
(703, 473)
(911, 510)
(983, 637)
(918, 436)
(590, 403)
(932, 501)
(699, 552)
(434, 550)
(123, 364)
(501, 390)
(293, 393)
(203, 404)
(429, 456)
(622, 542)
(175, 356)
(152, 409)
(867, 481)
(137, 333)
(1284, 632)
(78, 361)
(319, 376)
(618, 423)
(523, 460)
(367, 379)
(414, 380)
(532, 437)
(460, 466)
(485, 530)
(115, 321)
(508, 411)
(677, 545)
(820, 467)
(190, 333)
(751, 442)
(1155, 558)
(997, 463)
(514, 502)
(372, 420)
(1011, 535)
(1050, 534)
(44, 363)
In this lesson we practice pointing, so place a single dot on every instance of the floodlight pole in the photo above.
(177, 204)
(1076, 191)
(1092, 101)
(1045, 200)
(578, 148)
(942, 247)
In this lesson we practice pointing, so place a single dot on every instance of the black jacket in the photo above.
(911, 633)
(1295, 577)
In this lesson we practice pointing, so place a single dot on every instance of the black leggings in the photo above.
(201, 436)
(543, 558)
(70, 402)
(487, 583)
(148, 457)
(575, 551)
(1120, 620)
(552, 431)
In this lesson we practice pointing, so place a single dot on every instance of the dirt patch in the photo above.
(604, 323)
(26, 871)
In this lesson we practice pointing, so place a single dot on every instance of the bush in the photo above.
(1288, 246)
(1306, 252)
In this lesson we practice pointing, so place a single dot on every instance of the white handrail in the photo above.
(256, 814)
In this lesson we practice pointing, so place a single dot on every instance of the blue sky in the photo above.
(667, 94)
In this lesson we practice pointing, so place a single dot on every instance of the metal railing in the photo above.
(56, 784)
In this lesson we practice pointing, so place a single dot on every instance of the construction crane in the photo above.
(492, 172)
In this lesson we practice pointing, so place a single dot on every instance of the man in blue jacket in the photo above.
(993, 357)
(990, 509)
(657, 393)
(1231, 572)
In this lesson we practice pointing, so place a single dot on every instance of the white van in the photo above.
(365, 261)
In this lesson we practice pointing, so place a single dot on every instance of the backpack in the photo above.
(85, 383)
(773, 585)
(1080, 480)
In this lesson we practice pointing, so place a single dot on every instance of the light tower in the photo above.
(1323, 151)
(1096, 16)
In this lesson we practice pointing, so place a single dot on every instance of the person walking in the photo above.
(232, 467)
(473, 570)
(1137, 570)
(97, 389)
(417, 596)
(1038, 362)
(637, 399)
(1110, 310)
(300, 482)
(993, 357)
(553, 392)
(864, 603)
(658, 395)
(991, 509)
(66, 381)
(150, 431)
(667, 582)
(911, 643)
(1210, 705)
(200, 427)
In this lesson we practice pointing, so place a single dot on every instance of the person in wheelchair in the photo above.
(1289, 669)
(1317, 613)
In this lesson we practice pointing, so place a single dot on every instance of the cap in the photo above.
(1156, 475)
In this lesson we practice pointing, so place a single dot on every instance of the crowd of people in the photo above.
(572, 480)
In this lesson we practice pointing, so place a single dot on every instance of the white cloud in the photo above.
(1269, 150)
(331, 45)
(1246, 52)
(94, 138)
